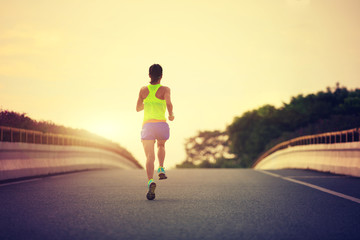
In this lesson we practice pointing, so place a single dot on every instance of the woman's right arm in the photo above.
(169, 105)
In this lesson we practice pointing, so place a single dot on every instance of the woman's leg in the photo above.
(150, 157)
(161, 152)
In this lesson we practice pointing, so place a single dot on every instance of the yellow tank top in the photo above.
(154, 108)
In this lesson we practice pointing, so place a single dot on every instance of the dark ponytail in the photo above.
(155, 72)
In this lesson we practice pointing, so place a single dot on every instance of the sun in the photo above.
(106, 130)
(114, 129)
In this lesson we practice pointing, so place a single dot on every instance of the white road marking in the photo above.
(317, 177)
(354, 199)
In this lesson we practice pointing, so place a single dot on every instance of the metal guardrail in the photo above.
(351, 135)
(9, 134)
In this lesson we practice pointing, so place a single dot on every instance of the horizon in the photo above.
(332, 89)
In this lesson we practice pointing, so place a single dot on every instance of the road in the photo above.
(190, 204)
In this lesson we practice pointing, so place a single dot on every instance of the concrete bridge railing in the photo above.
(335, 152)
(25, 153)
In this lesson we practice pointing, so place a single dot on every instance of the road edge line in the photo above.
(354, 199)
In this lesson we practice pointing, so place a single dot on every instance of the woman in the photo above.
(154, 99)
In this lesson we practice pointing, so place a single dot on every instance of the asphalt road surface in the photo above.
(190, 204)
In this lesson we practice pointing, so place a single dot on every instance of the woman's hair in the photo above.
(155, 72)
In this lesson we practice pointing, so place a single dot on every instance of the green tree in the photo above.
(258, 130)
(203, 149)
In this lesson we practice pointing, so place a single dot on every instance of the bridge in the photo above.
(110, 203)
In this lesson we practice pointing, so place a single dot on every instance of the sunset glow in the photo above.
(81, 63)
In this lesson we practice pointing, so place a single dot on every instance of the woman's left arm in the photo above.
(140, 103)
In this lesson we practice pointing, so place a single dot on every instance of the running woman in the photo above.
(154, 99)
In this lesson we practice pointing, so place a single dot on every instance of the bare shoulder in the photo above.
(165, 89)
(144, 91)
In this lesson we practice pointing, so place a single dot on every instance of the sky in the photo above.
(81, 63)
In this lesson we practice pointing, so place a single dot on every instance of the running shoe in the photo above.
(151, 193)
(161, 173)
